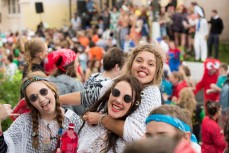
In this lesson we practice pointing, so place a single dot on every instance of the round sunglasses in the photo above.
(34, 97)
(117, 93)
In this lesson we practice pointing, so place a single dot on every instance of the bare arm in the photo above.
(116, 126)
(71, 99)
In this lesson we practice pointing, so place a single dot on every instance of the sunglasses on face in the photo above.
(126, 98)
(34, 97)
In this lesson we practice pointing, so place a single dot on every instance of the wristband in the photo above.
(100, 119)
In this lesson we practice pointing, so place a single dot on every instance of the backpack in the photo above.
(224, 96)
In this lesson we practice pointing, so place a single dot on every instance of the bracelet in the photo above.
(101, 118)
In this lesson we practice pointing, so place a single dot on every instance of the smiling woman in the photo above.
(121, 100)
(37, 131)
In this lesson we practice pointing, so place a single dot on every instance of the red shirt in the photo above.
(213, 140)
(178, 88)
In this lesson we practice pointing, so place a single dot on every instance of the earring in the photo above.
(34, 134)
(137, 103)
(142, 93)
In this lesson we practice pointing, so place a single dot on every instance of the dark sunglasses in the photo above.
(126, 98)
(34, 97)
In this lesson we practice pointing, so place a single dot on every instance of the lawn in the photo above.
(223, 53)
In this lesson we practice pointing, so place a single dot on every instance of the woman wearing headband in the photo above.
(37, 131)
(171, 121)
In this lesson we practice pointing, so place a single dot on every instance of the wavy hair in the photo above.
(159, 61)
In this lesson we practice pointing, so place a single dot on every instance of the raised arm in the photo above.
(70, 99)
(5, 111)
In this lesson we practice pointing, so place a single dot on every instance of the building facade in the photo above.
(17, 15)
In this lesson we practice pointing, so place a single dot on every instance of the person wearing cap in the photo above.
(200, 38)
(172, 121)
(64, 63)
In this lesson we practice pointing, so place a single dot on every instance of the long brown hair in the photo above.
(101, 106)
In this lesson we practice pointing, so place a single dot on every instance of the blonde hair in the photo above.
(32, 48)
(156, 50)
(187, 99)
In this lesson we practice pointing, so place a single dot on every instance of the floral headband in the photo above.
(30, 80)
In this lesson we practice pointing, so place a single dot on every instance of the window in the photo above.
(13, 7)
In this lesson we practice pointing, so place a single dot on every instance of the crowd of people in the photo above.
(124, 91)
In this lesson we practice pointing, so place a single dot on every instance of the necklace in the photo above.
(49, 135)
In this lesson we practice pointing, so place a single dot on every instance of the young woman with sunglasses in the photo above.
(38, 130)
(119, 101)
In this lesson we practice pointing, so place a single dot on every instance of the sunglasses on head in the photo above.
(126, 98)
(34, 97)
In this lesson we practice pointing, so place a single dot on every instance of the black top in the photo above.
(35, 67)
(216, 26)
(3, 145)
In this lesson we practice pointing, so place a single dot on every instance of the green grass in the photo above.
(223, 54)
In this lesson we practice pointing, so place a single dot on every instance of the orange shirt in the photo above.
(84, 41)
(95, 38)
(96, 52)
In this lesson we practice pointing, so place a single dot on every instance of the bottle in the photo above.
(69, 140)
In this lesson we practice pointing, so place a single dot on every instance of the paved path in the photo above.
(197, 70)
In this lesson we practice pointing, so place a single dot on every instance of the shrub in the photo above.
(10, 94)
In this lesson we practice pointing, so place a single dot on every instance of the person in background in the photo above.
(171, 121)
(11, 68)
(178, 83)
(212, 136)
(76, 22)
(166, 88)
(226, 135)
(35, 54)
(200, 38)
(215, 30)
(173, 57)
(37, 131)
(187, 100)
(224, 99)
(155, 144)
(185, 71)
(64, 77)
(223, 72)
